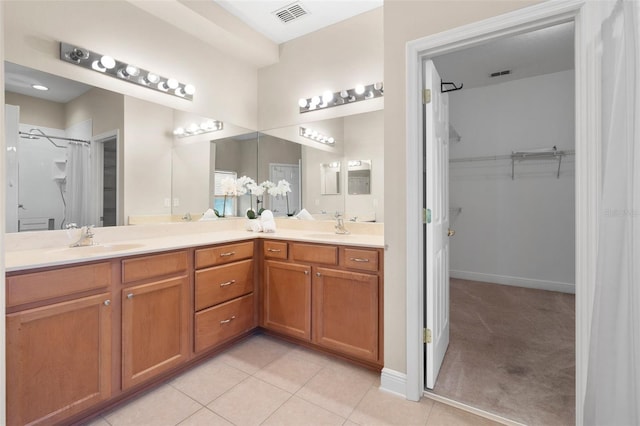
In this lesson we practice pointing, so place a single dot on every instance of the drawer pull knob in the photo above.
(318, 274)
(227, 283)
(130, 296)
(306, 272)
(230, 253)
(274, 250)
(227, 321)
(358, 259)
(107, 302)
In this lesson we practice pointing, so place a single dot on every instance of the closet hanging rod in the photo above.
(31, 135)
(516, 156)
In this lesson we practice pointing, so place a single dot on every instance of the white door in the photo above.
(436, 238)
(290, 173)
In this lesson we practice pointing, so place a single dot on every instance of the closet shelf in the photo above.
(535, 154)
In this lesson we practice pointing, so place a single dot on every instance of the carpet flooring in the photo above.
(511, 352)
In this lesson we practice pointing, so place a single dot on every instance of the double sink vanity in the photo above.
(89, 327)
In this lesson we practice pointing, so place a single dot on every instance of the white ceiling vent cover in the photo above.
(291, 12)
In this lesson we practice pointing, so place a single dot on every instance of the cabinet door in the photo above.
(58, 360)
(154, 329)
(345, 312)
(287, 298)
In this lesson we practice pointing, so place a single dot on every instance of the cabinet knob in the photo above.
(107, 302)
(130, 296)
(306, 272)
(318, 274)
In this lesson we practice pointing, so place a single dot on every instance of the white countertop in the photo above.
(128, 241)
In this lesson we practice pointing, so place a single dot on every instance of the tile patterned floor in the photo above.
(265, 381)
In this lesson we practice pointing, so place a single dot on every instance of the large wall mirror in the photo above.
(137, 167)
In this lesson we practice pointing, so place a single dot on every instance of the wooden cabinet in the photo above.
(58, 359)
(346, 312)
(287, 298)
(328, 295)
(155, 316)
(223, 297)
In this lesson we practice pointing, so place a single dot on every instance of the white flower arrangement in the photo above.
(236, 187)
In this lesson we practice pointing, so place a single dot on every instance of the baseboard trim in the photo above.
(393, 382)
(514, 281)
(470, 409)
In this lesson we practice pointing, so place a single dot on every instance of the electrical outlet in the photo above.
(176, 202)
(167, 202)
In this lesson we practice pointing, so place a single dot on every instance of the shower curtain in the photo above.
(78, 186)
(613, 381)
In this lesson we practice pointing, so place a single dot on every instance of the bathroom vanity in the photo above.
(90, 327)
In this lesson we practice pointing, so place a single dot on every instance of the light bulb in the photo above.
(378, 86)
(344, 94)
(189, 89)
(97, 66)
(173, 83)
(180, 91)
(369, 95)
(131, 70)
(193, 128)
(108, 62)
(331, 140)
(179, 131)
(163, 86)
(152, 78)
(327, 96)
(359, 89)
(302, 103)
(315, 100)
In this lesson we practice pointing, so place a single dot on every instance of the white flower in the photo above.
(284, 186)
(228, 186)
(274, 191)
(267, 184)
(256, 190)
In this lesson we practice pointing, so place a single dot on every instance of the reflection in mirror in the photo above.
(63, 148)
(280, 159)
(330, 178)
(356, 136)
(359, 177)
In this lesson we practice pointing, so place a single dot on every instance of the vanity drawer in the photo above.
(327, 255)
(37, 286)
(223, 254)
(275, 250)
(221, 283)
(222, 322)
(366, 260)
(157, 265)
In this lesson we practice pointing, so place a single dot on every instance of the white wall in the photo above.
(521, 231)
(11, 124)
(148, 132)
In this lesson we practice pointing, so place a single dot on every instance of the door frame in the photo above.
(97, 150)
(585, 16)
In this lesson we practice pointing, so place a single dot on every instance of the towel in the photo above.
(304, 215)
(209, 215)
(255, 226)
(267, 222)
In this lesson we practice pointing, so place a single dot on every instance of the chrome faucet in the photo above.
(340, 229)
(86, 237)
(187, 217)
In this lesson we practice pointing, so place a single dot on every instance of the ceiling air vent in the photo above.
(291, 12)
(500, 73)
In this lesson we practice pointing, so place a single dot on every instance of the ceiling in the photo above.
(540, 52)
(315, 14)
(18, 79)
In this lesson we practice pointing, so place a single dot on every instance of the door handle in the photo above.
(451, 232)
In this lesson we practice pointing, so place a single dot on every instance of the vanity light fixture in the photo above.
(195, 129)
(316, 136)
(330, 99)
(123, 71)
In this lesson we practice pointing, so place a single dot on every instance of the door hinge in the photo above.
(426, 96)
(426, 215)
(426, 335)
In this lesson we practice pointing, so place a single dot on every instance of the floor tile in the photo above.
(288, 372)
(162, 406)
(446, 415)
(382, 408)
(297, 411)
(208, 381)
(250, 402)
(205, 417)
(253, 354)
(337, 388)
